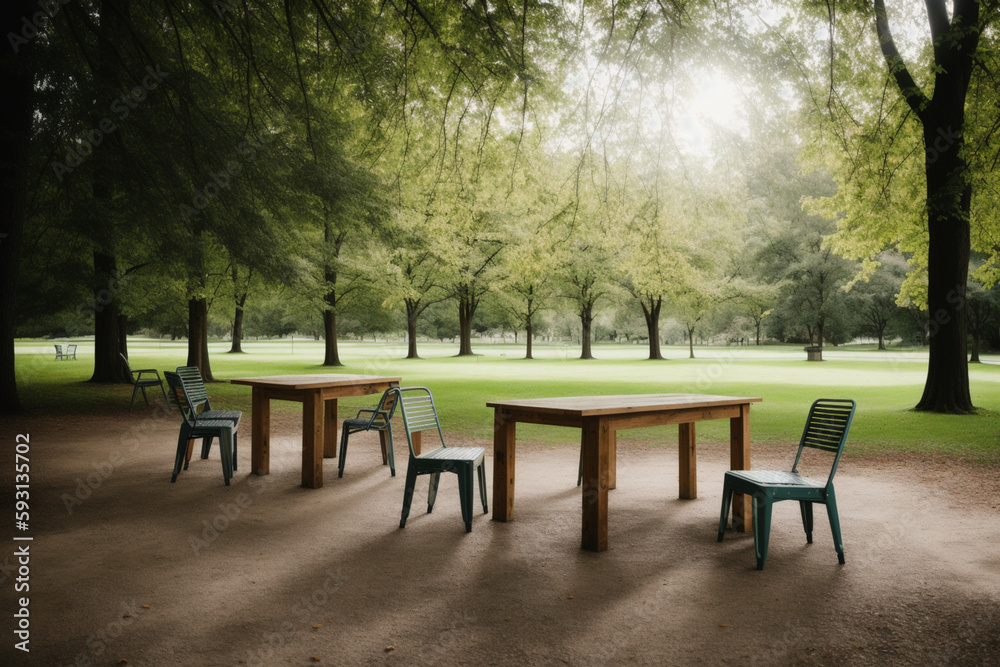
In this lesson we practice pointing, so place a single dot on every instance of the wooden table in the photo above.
(598, 418)
(318, 395)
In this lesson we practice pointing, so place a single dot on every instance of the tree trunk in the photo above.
(237, 346)
(108, 334)
(467, 305)
(17, 82)
(198, 337)
(332, 357)
(652, 315)
(974, 359)
(528, 337)
(757, 331)
(690, 342)
(412, 313)
(948, 201)
(586, 321)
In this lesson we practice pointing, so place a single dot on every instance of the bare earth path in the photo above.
(127, 566)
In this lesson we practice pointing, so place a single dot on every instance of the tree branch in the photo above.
(904, 80)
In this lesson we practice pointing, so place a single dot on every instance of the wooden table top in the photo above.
(315, 381)
(585, 406)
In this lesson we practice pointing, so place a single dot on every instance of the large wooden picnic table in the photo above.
(318, 395)
(599, 418)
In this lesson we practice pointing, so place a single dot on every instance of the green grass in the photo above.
(886, 385)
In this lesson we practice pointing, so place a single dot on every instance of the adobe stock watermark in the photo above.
(34, 25)
(85, 144)
(945, 139)
(218, 181)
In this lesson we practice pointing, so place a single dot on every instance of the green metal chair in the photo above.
(193, 427)
(826, 429)
(140, 383)
(197, 395)
(70, 353)
(59, 353)
(419, 415)
(380, 420)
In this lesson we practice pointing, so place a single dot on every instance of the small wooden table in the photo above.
(598, 418)
(318, 395)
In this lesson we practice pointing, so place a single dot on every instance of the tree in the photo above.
(918, 102)
(17, 81)
(874, 296)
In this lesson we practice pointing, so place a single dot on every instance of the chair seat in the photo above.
(226, 415)
(775, 478)
(454, 454)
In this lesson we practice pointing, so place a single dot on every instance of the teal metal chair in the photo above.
(70, 353)
(59, 353)
(197, 395)
(420, 415)
(194, 427)
(826, 429)
(140, 383)
(379, 419)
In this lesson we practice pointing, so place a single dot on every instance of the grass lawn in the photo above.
(886, 385)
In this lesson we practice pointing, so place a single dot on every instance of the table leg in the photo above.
(612, 459)
(688, 462)
(504, 430)
(312, 438)
(739, 459)
(383, 437)
(260, 432)
(596, 455)
(330, 428)
(416, 439)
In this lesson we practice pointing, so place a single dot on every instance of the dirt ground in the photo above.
(125, 566)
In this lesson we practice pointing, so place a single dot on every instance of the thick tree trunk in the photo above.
(17, 83)
(949, 196)
(652, 315)
(198, 337)
(412, 313)
(108, 332)
(586, 322)
(237, 346)
(332, 357)
(974, 358)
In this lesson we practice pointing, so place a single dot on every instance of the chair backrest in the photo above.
(177, 396)
(128, 368)
(386, 407)
(71, 349)
(194, 388)
(419, 413)
(826, 429)
(59, 350)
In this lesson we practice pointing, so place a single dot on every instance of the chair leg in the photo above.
(144, 397)
(831, 512)
(206, 446)
(482, 487)
(727, 499)
(432, 492)
(465, 495)
(411, 482)
(235, 447)
(761, 526)
(226, 453)
(392, 453)
(190, 450)
(344, 433)
(806, 508)
(135, 390)
(179, 456)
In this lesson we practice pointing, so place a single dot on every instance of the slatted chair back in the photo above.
(177, 396)
(194, 388)
(826, 429)
(386, 408)
(419, 414)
